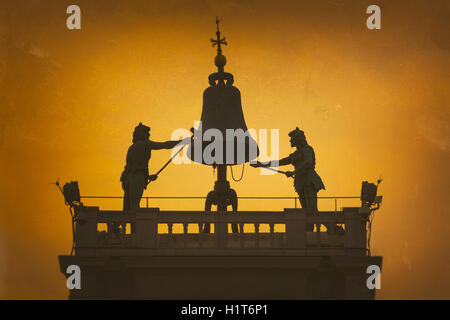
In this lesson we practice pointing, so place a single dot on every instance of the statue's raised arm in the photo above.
(135, 176)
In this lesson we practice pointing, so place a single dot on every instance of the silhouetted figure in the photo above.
(135, 176)
(306, 180)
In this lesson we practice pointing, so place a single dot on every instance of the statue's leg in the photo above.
(136, 187)
(234, 205)
(310, 195)
(126, 200)
(301, 197)
(140, 188)
(301, 194)
(136, 184)
(206, 228)
(126, 196)
(304, 202)
(114, 227)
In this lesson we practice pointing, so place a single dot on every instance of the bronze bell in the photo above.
(222, 110)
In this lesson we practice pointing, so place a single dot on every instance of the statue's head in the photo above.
(297, 137)
(141, 132)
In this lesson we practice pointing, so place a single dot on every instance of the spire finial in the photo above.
(220, 60)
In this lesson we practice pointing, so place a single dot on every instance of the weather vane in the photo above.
(218, 41)
(220, 61)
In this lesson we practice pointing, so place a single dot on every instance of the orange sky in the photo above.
(370, 103)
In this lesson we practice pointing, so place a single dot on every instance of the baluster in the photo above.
(170, 225)
(241, 235)
(200, 235)
(185, 231)
(257, 234)
(331, 229)
(110, 234)
(158, 239)
(123, 232)
(318, 235)
(272, 234)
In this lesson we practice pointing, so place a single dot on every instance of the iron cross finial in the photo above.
(218, 41)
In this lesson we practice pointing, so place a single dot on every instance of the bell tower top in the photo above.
(220, 78)
(220, 59)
